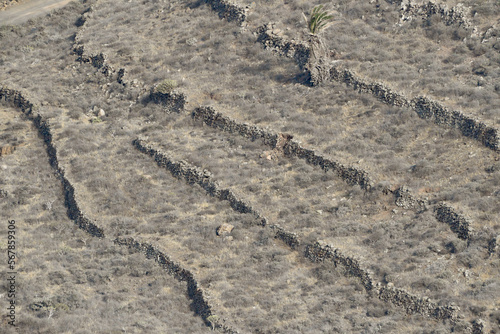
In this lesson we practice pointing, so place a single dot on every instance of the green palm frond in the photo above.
(318, 20)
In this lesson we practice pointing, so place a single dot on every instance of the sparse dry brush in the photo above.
(387, 254)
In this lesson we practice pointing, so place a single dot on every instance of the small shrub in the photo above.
(166, 86)
(213, 319)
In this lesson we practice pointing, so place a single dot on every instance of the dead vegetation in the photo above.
(185, 51)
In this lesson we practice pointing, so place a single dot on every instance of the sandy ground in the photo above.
(29, 9)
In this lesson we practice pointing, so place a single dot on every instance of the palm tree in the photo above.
(317, 65)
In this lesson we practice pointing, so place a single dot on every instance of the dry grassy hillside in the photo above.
(130, 131)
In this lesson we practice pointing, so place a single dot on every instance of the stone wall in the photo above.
(229, 11)
(493, 245)
(405, 200)
(458, 224)
(443, 213)
(195, 293)
(289, 238)
(413, 304)
(29, 109)
(173, 100)
(316, 252)
(196, 175)
(423, 106)
(98, 60)
(458, 15)
(270, 37)
(200, 304)
(291, 148)
(320, 252)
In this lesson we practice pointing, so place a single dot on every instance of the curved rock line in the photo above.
(423, 106)
(195, 293)
(200, 305)
(315, 252)
(403, 198)
(29, 109)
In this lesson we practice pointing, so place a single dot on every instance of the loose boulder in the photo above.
(224, 229)
(5, 150)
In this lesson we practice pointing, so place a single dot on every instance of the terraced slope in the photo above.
(341, 204)
(63, 272)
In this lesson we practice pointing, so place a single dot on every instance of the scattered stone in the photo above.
(478, 326)
(6, 150)
(269, 155)
(493, 245)
(224, 229)
(492, 33)
(406, 200)
(191, 41)
(101, 113)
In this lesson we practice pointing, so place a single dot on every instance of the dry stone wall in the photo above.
(174, 101)
(270, 37)
(458, 224)
(228, 10)
(98, 60)
(200, 304)
(423, 106)
(291, 148)
(202, 177)
(316, 252)
(413, 304)
(195, 293)
(459, 14)
(493, 245)
(407, 201)
(17, 99)
(320, 252)
(196, 175)
(402, 195)
(289, 238)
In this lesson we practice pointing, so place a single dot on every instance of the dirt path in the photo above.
(29, 9)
